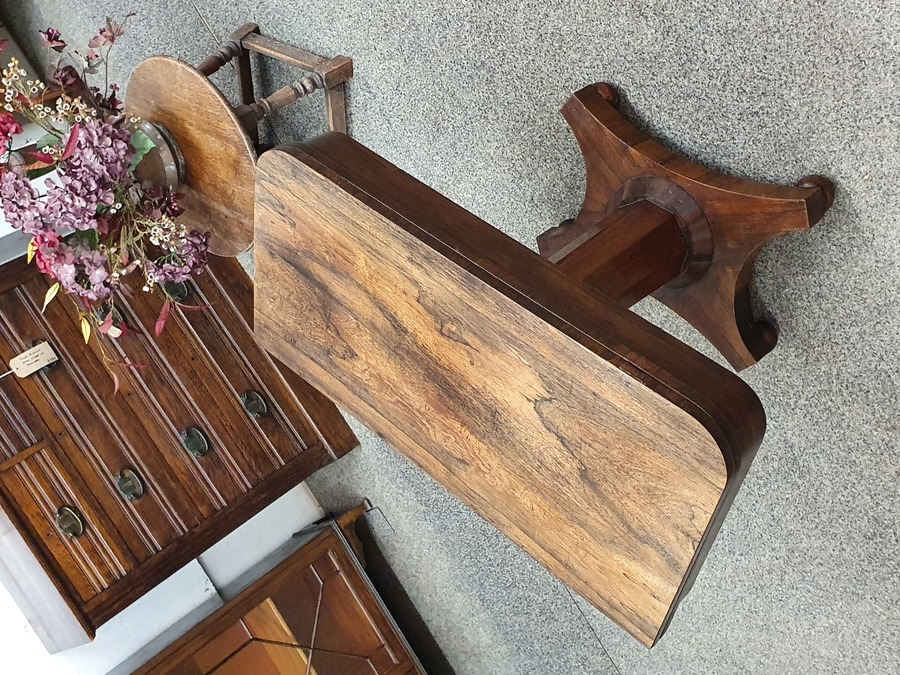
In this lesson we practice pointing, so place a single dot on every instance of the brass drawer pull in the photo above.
(130, 484)
(49, 366)
(254, 404)
(179, 291)
(195, 441)
(69, 522)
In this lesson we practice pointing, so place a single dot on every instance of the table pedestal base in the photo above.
(656, 223)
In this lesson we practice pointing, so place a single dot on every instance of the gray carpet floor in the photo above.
(804, 575)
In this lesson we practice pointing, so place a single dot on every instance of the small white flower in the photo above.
(146, 289)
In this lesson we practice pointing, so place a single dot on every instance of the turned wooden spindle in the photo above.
(212, 63)
(252, 113)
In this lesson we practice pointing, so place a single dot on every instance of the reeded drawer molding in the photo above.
(65, 439)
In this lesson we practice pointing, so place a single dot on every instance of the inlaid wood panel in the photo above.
(64, 436)
(604, 447)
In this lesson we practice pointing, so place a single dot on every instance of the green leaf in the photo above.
(142, 145)
(47, 139)
(51, 293)
(43, 171)
(89, 238)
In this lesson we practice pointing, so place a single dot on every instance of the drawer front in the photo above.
(77, 537)
(186, 382)
(102, 435)
(276, 421)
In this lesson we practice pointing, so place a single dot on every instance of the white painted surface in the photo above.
(142, 627)
(260, 536)
(186, 590)
(35, 594)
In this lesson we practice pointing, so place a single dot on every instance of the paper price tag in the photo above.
(30, 361)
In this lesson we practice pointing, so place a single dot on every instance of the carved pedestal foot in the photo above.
(724, 221)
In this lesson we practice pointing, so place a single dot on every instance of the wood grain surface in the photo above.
(218, 153)
(640, 249)
(601, 445)
(64, 436)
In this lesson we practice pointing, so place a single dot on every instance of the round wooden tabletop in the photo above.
(218, 154)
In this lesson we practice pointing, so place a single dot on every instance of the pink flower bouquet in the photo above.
(95, 222)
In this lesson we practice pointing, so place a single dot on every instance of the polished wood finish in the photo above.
(314, 613)
(639, 249)
(733, 218)
(600, 444)
(218, 153)
(64, 436)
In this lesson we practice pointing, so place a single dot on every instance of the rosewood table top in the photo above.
(601, 445)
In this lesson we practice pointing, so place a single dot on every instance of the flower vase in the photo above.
(163, 166)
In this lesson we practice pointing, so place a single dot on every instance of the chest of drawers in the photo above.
(113, 493)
